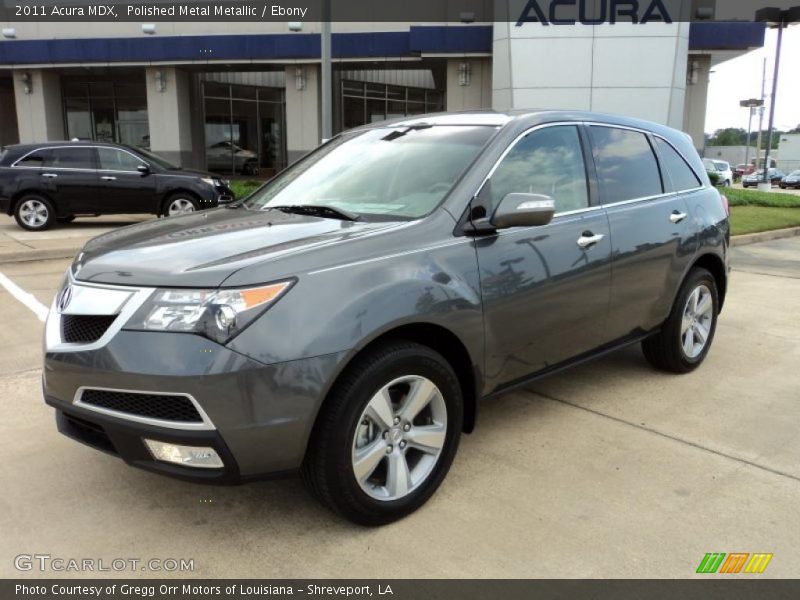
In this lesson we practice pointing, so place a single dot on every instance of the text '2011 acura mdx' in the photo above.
(345, 319)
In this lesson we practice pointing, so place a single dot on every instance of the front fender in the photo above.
(344, 308)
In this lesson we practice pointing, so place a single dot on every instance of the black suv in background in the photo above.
(57, 181)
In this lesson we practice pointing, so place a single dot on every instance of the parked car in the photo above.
(722, 169)
(345, 319)
(791, 181)
(57, 181)
(742, 170)
(227, 157)
(752, 180)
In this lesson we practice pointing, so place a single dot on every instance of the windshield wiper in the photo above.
(317, 210)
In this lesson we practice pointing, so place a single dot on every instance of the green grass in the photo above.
(243, 187)
(739, 197)
(752, 219)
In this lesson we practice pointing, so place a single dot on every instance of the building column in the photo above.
(694, 116)
(469, 83)
(169, 114)
(637, 70)
(40, 113)
(302, 110)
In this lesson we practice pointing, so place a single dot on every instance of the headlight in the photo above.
(209, 181)
(217, 314)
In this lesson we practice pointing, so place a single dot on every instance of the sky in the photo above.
(740, 79)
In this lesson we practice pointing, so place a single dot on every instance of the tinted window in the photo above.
(34, 159)
(117, 160)
(626, 166)
(71, 158)
(682, 176)
(548, 161)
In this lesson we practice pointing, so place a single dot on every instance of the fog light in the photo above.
(188, 456)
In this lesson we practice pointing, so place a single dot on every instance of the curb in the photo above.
(43, 254)
(764, 236)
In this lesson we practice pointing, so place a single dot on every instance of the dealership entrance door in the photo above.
(244, 126)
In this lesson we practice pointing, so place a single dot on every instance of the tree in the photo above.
(730, 136)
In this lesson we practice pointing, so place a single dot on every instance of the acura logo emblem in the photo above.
(64, 298)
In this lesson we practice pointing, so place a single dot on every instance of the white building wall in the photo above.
(789, 152)
(635, 70)
(169, 114)
(477, 93)
(40, 115)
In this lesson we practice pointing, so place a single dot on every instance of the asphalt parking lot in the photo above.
(607, 470)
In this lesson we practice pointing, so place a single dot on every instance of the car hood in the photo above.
(192, 172)
(203, 249)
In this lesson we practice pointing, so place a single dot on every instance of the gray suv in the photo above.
(345, 319)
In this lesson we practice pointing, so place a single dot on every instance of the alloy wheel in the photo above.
(180, 206)
(34, 213)
(399, 438)
(698, 316)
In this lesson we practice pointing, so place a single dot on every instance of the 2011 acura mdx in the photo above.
(346, 318)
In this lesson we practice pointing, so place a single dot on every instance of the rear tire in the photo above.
(685, 338)
(34, 213)
(364, 459)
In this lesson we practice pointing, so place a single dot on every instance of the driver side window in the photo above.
(547, 161)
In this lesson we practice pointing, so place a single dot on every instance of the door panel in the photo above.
(123, 189)
(650, 229)
(545, 296)
(69, 176)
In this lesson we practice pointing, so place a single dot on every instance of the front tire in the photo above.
(685, 338)
(386, 435)
(34, 213)
(180, 204)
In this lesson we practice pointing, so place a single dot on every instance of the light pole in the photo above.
(751, 105)
(780, 20)
(325, 68)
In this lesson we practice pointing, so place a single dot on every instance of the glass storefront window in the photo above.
(363, 103)
(244, 129)
(106, 110)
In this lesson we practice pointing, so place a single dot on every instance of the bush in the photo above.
(739, 197)
(714, 177)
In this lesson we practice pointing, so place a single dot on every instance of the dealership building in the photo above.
(244, 98)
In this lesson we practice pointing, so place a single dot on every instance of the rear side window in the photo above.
(547, 161)
(112, 159)
(71, 158)
(34, 159)
(681, 174)
(626, 166)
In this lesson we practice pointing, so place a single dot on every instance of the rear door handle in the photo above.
(588, 239)
(51, 175)
(677, 216)
(108, 178)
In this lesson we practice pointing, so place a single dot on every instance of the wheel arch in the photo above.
(714, 265)
(439, 339)
(15, 199)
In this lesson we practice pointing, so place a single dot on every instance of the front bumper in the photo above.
(260, 415)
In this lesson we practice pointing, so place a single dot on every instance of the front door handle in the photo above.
(588, 239)
(50, 175)
(677, 216)
(108, 178)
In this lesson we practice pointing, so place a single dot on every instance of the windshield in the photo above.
(721, 166)
(388, 173)
(155, 158)
(794, 174)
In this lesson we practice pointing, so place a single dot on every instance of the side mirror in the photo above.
(143, 169)
(523, 210)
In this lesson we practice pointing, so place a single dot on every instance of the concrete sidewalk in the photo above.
(62, 241)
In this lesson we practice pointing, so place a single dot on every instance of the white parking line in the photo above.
(28, 299)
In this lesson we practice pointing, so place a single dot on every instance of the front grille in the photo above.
(84, 329)
(179, 409)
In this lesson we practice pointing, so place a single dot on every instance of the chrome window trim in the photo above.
(600, 206)
(53, 341)
(205, 425)
(15, 166)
